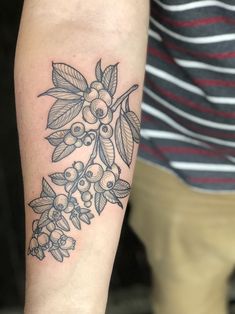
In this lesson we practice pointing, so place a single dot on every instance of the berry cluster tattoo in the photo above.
(96, 182)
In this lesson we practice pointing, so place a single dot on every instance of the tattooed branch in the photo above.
(87, 186)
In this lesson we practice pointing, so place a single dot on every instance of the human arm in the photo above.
(60, 38)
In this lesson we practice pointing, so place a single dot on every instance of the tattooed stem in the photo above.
(122, 97)
(90, 161)
(93, 154)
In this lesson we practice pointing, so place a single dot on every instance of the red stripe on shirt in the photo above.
(196, 22)
(187, 102)
(151, 151)
(211, 180)
(187, 150)
(210, 82)
(221, 55)
(159, 54)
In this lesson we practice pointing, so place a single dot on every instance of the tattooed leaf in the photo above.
(121, 188)
(57, 255)
(63, 224)
(57, 137)
(134, 124)
(64, 252)
(100, 202)
(58, 178)
(84, 210)
(106, 150)
(75, 220)
(35, 225)
(61, 93)
(59, 81)
(41, 204)
(90, 215)
(109, 79)
(124, 139)
(98, 71)
(44, 219)
(61, 151)
(63, 111)
(112, 198)
(47, 189)
(40, 254)
(66, 76)
(85, 218)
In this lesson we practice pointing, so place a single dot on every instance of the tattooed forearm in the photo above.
(98, 181)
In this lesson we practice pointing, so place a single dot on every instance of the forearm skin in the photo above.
(55, 38)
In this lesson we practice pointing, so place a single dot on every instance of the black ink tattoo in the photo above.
(97, 181)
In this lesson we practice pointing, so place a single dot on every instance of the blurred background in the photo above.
(131, 280)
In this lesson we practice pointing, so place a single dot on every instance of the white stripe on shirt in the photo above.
(162, 116)
(149, 133)
(154, 35)
(188, 116)
(204, 66)
(189, 87)
(202, 166)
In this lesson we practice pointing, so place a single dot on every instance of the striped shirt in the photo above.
(188, 109)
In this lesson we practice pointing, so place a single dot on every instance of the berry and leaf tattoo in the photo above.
(104, 125)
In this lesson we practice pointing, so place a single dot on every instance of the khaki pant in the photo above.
(190, 241)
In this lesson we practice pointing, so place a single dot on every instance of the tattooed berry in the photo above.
(90, 94)
(88, 204)
(43, 239)
(54, 214)
(94, 173)
(67, 243)
(77, 129)
(79, 166)
(88, 116)
(69, 139)
(69, 208)
(86, 196)
(60, 202)
(62, 240)
(108, 180)
(55, 235)
(35, 249)
(105, 96)
(33, 244)
(92, 136)
(51, 227)
(108, 118)
(83, 185)
(115, 170)
(97, 85)
(99, 108)
(87, 140)
(98, 188)
(106, 131)
(70, 174)
(78, 143)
